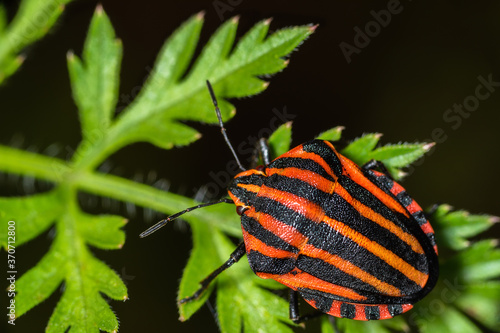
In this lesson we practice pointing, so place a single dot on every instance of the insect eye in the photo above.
(260, 168)
(240, 210)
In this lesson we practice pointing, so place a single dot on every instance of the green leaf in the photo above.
(216, 50)
(172, 61)
(69, 261)
(480, 301)
(202, 261)
(460, 226)
(380, 326)
(231, 321)
(481, 261)
(394, 156)
(467, 281)
(449, 321)
(167, 99)
(82, 307)
(41, 281)
(397, 156)
(326, 325)
(332, 134)
(94, 79)
(359, 149)
(3, 19)
(102, 231)
(172, 95)
(32, 21)
(279, 142)
(170, 65)
(32, 216)
(9, 65)
(241, 300)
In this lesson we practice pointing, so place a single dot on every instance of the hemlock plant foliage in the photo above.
(32, 21)
(468, 286)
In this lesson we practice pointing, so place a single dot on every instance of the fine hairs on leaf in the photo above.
(470, 270)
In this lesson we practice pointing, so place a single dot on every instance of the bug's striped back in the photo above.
(321, 225)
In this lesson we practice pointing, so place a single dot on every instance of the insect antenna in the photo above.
(176, 215)
(225, 200)
(221, 124)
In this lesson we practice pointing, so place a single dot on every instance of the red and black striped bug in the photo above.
(348, 239)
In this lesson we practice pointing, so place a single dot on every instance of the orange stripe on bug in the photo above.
(286, 232)
(386, 255)
(309, 177)
(351, 269)
(380, 220)
(299, 279)
(335, 309)
(360, 312)
(298, 152)
(294, 202)
(396, 189)
(413, 207)
(250, 187)
(354, 172)
(315, 213)
(253, 243)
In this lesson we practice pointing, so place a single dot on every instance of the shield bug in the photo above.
(348, 239)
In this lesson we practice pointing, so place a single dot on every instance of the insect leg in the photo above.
(233, 258)
(264, 150)
(260, 153)
(294, 309)
(294, 306)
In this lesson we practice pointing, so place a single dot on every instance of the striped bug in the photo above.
(348, 239)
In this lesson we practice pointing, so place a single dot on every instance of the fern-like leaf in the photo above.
(394, 156)
(467, 291)
(170, 95)
(32, 21)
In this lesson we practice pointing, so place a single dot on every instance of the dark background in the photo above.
(423, 62)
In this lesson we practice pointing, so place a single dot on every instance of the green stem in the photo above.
(52, 169)
(74, 245)
(147, 196)
(39, 166)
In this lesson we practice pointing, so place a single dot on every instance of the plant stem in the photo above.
(53, 169)
(39, 166)
(147, 196)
